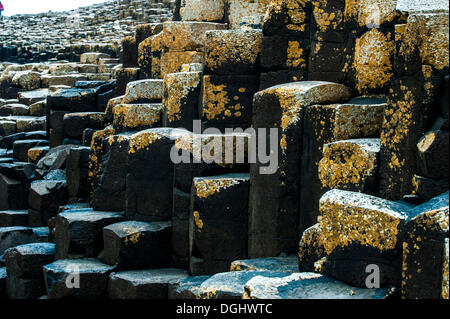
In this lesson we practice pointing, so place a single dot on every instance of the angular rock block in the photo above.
(232, 51)
(358, 231)
(92, 57)
(136, 117)
(55, 128)
(73, 100)
(135, 245)
(75, 123)
(227, 101)
(146, 30)
(350, 165)
(230, 149)
(143, 91)
(13, 193)
(181, 98)
(7, 128)
(95, 156)
(35, 154)
(77, 170)
(149, 181)
(145, 58)
(188, 288)
(308, 286)
(124, 76)
(219, 214)
(144, 284)
(79, 232)
(8, 141)
(55, 159)
(187, 36)
(274, 194)
(173, 61)
(10, 218)
(230, 285)
(311, 249)
(24, 268)
(359, 118)
(157, 50)
(110, 192)
(287, 264)
(433, 155)
(202, 10)
(77, 278)
(130, 52)
(240, 9)
(15, 236)
(45, 197)
(424, 251)
(20, 148)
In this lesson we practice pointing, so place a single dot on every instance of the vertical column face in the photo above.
(274, 198)
(420, 68)
(326, 124)
(219, 212)
(181, 99)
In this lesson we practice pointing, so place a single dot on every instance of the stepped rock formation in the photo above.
(236, 149)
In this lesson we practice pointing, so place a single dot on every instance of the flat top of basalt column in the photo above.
(132, 227)
(88, 215)
(5, 230)
(284, 264)
(86, 265)
(35, 94)
(438, 203)
(36, 249)
(14, 212)
(367, 202)
(231, 283)
(307, 286)
(139, 277)
(422, 6)
(368, 144)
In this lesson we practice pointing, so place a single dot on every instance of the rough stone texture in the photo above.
(357, 230)
(79, 232)
(323, 124)
(137, 245)
(144, 284)
(219, 212)
(274, 209)
(351, 165)
(424, 250)
(232, 51)
(181, 99)
(93, 278)
(307, 286)
(284, 264)
(136, 117)
(143, 91)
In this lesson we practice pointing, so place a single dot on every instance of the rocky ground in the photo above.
(94, 103)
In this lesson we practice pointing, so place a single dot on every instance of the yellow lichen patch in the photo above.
(345, 224)
(142, 141)
(133, 239)
(176, 88)
(95, 165)
(136, 115)
(295, 55)
(346, 165)
(434, 221)
(326, 21)
(445, 270)
(349, 118)
(207, 187)
(198, 221)
(172, 62)
(34, 154)
(373, 60)
(241, 47)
